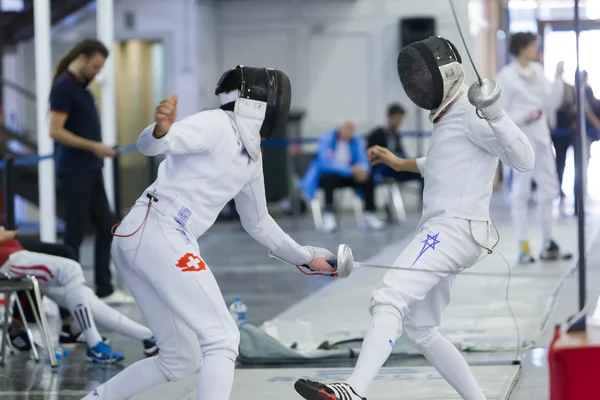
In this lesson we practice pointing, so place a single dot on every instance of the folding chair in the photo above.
(317, 209)
(395, 202)
(9, 286)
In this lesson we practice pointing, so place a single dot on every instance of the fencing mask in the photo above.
(260, 99)
(431, 73)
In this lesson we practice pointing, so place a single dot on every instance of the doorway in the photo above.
(139, 87)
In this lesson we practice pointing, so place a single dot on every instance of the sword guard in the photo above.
(345, 261)
(484, 93)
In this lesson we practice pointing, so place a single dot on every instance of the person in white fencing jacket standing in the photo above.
(211, 157)
(470, 134)
(529, 99)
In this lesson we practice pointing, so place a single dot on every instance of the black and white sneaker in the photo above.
(312, 390)
(150, 347)
(67, 337)
(552, 252)
(19, 339)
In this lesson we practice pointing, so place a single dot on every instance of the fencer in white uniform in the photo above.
(62, 280)
(528, 97)
(453, 233)
(211, 157)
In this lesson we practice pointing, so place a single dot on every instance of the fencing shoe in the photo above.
(68, 336)
(525, 256)
(312, 390)
(551, 252)
(103, 354)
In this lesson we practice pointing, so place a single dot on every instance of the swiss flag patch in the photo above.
(191, 263)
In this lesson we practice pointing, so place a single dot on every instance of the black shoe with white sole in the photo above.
(67, 336)
(312, 390)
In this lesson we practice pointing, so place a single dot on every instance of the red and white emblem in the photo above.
(191, 263)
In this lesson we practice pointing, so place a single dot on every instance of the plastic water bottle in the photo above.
(238, 311)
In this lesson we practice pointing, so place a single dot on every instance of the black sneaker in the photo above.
(312, 390)
(19, 339)
(552, 252)
(150, 347)
(67, 336)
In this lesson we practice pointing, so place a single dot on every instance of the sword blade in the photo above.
(464, 41)
(462, 272)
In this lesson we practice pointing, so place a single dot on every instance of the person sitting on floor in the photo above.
(62, 280)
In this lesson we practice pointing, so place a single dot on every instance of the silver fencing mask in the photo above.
(260, 99)
(431, 73)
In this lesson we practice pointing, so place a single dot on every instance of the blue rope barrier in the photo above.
(282, 142)
(32, 160)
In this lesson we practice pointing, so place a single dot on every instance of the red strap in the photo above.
(115, 226)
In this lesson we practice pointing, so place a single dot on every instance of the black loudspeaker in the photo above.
(415, 29)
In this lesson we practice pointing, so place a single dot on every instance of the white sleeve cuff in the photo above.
(421, 165)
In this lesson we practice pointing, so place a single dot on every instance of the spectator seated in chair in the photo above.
(388, 136)
(341, 161)
(62, 280)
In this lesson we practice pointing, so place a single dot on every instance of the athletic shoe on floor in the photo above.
(525, 256)
(552, 252)
(103, 354)
(312, 390)
(67, 336)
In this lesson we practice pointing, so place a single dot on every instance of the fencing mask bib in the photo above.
(260, 99)
(431, 73)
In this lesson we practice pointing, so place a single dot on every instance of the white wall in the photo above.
(174, 22)
(339, 55)
(26, 78)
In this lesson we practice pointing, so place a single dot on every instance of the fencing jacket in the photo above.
(462, 158)
(206, 166)
(525, 91)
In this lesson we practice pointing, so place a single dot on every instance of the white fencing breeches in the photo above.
(419, 298)
(546, 178)
(182, 304)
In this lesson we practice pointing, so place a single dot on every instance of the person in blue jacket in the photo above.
(341, 161)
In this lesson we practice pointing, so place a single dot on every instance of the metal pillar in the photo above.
(579, 176)
(106, 28)
(1, 71)
(43, 69)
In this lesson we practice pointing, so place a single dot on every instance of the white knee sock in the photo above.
(133, 380)
(547, 220)
(216, 377)
(110, 318)
(77, 302)
(376, 348)
(452, 366)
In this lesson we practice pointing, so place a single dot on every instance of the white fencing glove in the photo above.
(319, 259)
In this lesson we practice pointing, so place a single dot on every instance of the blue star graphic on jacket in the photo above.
(429, 243)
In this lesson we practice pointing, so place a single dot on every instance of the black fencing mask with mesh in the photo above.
(260, 99)
(431, 73)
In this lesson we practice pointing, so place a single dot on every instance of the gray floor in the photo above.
(422, 383)
(269, 288)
